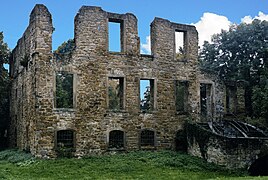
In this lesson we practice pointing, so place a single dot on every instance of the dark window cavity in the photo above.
(116, 139)
(64, 90)
(115, 93)
(65, 139)
(147, 138)
(231, 100)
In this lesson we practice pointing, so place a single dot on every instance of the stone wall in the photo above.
(35, 117)
(33, 50)
(231, 152)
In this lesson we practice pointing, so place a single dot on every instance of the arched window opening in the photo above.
(147, 138)
(65, 143)
(116, 139)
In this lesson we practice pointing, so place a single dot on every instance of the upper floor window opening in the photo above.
(115, 35)
(180, 44)
(206, 98)
(181, 96)
(64, 90)
(147, 95)
(116, 93)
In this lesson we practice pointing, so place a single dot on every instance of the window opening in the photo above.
(231, 99)
(115, 93)
(181, 95)
(65, 138)
(146, 95)
(65, 143)
(147, 138)
(205, 99)
(115, 36)
(181, 141)
(116, 139)
(64, 90)
(179, 44)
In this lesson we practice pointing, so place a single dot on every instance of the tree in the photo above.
(64, 81)
(146, 104)
(239, 55)
(4, 55)
(64, 90)
(66, 48)
(4, 90)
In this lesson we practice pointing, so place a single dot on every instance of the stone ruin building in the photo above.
(87, 100)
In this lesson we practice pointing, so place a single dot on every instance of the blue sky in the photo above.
(15, 14)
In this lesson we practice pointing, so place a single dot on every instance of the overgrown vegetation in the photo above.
(240, 55)
(4, 91)
(146, 103)
(134, 165)
(15, 156)
(65, 49)
(64, 90)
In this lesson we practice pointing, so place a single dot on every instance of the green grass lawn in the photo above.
(133, 165)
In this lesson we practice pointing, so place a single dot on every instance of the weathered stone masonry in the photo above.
(35, 119)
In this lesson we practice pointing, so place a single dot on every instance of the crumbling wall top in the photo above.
(40, 10)
(183, 27)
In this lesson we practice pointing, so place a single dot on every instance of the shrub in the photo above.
(15, 156)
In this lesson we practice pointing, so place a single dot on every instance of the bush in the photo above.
(15, 156)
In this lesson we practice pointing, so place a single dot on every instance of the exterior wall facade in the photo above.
(30, 97)
(35, 117)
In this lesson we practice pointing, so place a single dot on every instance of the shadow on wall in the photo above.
(259, 167)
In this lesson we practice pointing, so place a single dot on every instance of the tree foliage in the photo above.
(4, 89)
(64, 90)
(64, 49)
(240, 55)
(146, 102)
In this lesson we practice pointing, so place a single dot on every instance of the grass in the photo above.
(134, 165)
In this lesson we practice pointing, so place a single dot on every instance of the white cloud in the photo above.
(261, 16)
(210, 24)
(146, 48)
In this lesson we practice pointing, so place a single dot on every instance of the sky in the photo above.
(209, 16)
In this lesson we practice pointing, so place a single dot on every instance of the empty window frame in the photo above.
(181, 95)
(116, 139)
(64, 90)
(231, 100)
(116, 93)
(147, 138)
(65, 139)
(146, 95)
(206, 99)
(180, 44)
(115, 35)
